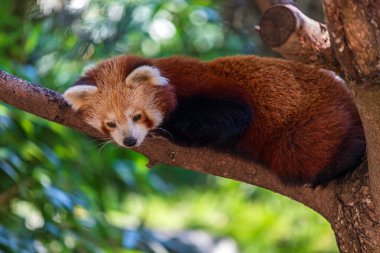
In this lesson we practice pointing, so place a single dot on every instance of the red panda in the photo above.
(298, 120)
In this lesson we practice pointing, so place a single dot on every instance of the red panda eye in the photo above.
(111, 124)
(136, 117)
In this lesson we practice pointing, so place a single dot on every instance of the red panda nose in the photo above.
(129, 141)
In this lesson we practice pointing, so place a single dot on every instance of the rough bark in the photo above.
(368, 102)
(355, 35)
(355, 221)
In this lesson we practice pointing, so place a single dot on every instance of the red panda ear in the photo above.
(148, 74)
(78, 95)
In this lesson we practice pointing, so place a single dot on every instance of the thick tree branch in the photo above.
(356, 223)
(295, 36)
(354, 29)
(40, 101)
(50, 105)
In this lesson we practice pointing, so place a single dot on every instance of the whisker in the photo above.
(94, 140)
(104, 144)
(88, 144)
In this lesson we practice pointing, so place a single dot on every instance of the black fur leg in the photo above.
(201, 121)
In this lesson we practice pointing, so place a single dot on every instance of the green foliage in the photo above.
(63, 192)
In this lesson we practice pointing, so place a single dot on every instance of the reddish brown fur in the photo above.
(301, 114)
(148, 122)
(105, 128)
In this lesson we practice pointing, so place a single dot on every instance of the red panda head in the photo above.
(123, 100)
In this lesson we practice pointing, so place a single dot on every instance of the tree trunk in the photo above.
(355, 221)
(355, 33)
(354, 29)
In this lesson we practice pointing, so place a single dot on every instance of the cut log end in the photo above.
(277, 25)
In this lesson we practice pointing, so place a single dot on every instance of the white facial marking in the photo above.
(139, 131)
(157, 117)
(95, 122)
(127, 128)
(111, 116)
(147, 73)
(76, 95)
(128, 112)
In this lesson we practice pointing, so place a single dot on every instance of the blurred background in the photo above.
(61, 191)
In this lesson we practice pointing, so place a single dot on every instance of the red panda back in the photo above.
(305, 126)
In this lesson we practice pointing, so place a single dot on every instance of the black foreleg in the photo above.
(201, 121)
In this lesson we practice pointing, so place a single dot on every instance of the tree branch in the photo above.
(354, 29)
(295, 36)
(50, 105)
(42, 102)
